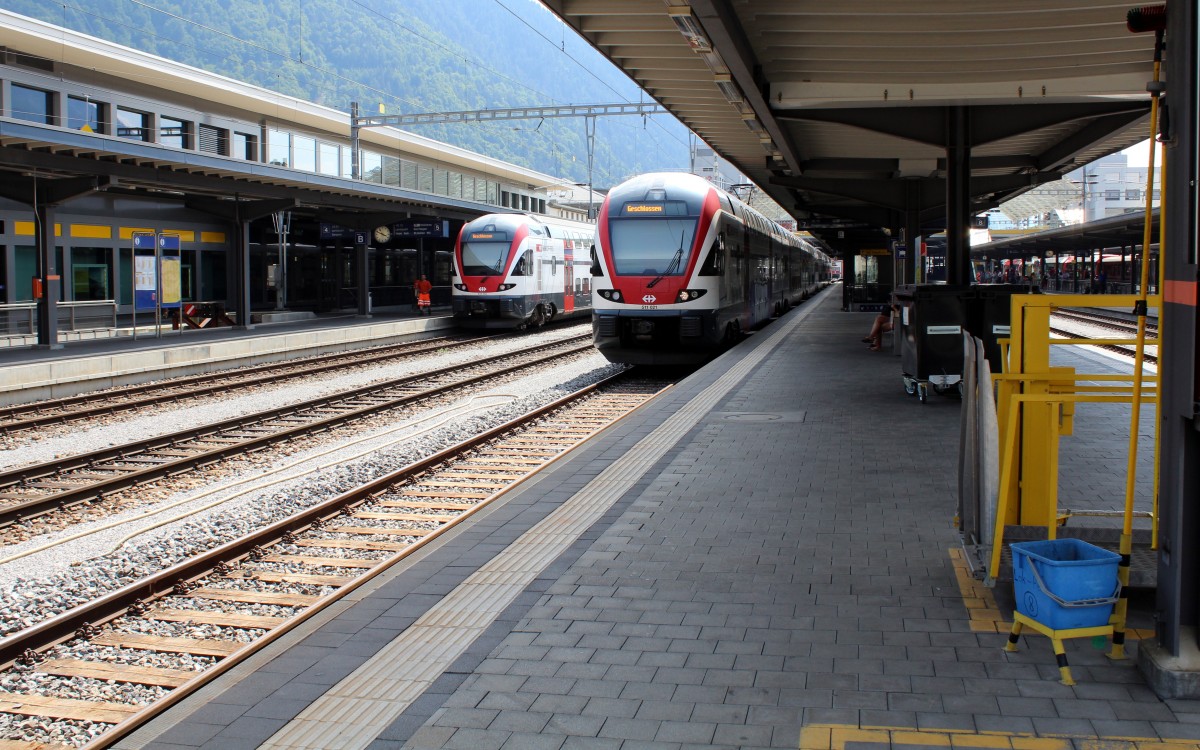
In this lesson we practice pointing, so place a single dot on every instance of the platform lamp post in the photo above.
(283, 224)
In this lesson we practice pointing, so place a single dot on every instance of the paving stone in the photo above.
(826, 594)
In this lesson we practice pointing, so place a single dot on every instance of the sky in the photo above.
(1139, 155)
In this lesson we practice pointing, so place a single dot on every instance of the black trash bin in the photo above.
(932, 320)
(991, 317)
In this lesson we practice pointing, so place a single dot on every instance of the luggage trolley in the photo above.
(932, 320)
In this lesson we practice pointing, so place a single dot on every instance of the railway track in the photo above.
(17, 418)
(1078, 324)
(35, 490)
(165, 636)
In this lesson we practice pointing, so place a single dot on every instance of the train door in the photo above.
(568, 276)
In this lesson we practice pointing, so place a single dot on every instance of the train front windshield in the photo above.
(645, 246)
(485, 257)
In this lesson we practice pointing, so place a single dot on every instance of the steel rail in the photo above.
(204, 384)
(67, 625)
(47, 503)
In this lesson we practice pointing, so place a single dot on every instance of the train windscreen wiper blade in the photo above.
(674, 265)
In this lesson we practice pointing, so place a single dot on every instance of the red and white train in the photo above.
(517, 270)
(682, 268)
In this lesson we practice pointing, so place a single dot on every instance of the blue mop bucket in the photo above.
(1065, 583)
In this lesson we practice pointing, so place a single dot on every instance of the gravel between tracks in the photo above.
(45, 583)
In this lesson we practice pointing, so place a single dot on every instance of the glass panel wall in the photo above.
(279, 148)
(133, 124)
(173, 132)
(83, 114)
(328, 159)
(371, 166)
(91, 275)
(304, 153)
(31, 105)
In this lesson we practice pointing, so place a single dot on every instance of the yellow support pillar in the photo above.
(1038, 476)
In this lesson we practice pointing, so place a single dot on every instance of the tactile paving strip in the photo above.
(353, 713)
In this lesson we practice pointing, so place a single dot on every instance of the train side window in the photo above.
(714, 265)
(524, 264)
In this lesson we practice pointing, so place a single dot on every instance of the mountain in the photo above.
(410, 56)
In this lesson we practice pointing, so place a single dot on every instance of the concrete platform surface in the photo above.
(763, 557)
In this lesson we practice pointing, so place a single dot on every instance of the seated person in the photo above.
(882, 324)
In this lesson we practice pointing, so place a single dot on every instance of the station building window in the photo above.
(329, 160)
(133, 124)
(425, 179)
(85, 114)
(1133, 194)
(173, 132)
(91, 273)
(32, 105)
(214, 140)
(1112, 195)
(371, 167)
(304, 153)
(279, 148)
(441, 181)
(391, 171)
(408, 175)
(245, 146)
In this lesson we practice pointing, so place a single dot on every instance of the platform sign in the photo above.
(421, 228)
(171, 292)
(145, 279)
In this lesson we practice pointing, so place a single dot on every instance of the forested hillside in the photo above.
(409, 56)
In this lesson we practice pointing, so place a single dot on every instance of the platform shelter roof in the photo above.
(841, 111)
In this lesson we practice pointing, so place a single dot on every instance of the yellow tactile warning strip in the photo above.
(353, 712)
(978, 599)
(840, 737)
(986, 616)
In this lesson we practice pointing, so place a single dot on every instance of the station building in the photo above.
(172, 149)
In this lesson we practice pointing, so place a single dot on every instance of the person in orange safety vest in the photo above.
(422, 287)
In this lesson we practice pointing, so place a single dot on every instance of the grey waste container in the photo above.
(990, 318)
(932, 319)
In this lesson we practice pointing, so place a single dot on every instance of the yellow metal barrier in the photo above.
(1036, 406)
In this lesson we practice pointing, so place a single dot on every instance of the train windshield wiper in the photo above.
(674, 265)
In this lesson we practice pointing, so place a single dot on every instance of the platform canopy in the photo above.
(844, 112)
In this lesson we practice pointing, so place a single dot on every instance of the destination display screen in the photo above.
(488, 236)
(655, 208)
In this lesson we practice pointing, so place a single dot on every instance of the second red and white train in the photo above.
(518, 271)
(681, 268)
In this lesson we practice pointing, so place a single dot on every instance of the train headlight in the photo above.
(505, 287)
(612, 295)
(687, 295)
(461, 287)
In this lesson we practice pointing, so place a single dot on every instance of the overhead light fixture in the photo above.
(689, 27)
(728, 88)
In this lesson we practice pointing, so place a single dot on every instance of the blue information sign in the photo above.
(145, 278)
